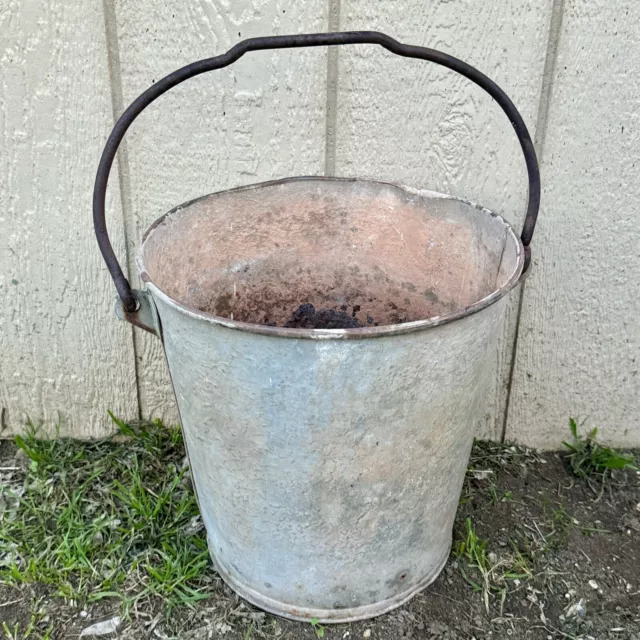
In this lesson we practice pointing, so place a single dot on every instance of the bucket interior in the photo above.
(376, 252)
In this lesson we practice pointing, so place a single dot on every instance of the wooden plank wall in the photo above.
(66, 71)
(579, 337)
(62, 357)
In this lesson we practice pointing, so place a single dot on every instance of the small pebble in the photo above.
(83, 614)
(106, 627)
(593, 584)
(367, 633)
(577, 610)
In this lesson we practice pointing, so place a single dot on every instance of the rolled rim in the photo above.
(337, 334)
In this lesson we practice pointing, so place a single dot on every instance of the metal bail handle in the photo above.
(125, 292)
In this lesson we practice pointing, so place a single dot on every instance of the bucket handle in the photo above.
(127, 295)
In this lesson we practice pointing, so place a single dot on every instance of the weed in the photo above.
(317, 627)
(497, 495)
(32, 631)
(106, 520)
(486, 572)
(587, 457)
(248, 634)
(561, 523)
(474, 550)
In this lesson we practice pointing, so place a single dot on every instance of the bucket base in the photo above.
(305, 614)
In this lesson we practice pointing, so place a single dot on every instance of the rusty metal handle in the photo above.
(125, 292)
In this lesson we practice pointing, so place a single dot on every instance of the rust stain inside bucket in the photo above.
(374, 252)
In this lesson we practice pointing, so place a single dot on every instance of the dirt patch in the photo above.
(563, 554)
(307, 317)
(267, 296)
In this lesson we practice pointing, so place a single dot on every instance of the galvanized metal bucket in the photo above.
(327, 463)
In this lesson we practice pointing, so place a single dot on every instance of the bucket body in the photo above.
(328, 463)
(328, 449)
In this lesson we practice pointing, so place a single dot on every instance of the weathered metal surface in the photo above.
(327, 469)
(328, 472)
(144, 315)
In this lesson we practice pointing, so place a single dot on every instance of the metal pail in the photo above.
(327, 463)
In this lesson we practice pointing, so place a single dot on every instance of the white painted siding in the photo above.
(579, 346)
(61, 353)
(65, 68)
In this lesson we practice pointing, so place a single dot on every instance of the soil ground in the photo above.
(538, 554)
(306, 316)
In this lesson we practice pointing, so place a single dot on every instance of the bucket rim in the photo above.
(335, 334)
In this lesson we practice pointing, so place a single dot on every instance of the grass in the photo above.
(32, 631)
(493, 574)
(587, 457)
(117, 521)
(487, 572)
(561, 524)
(109, 519)
(497, 495)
